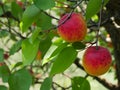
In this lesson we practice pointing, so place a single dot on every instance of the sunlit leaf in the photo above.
(65, 58)
(47, 58)
(29, 51)
(30, 15)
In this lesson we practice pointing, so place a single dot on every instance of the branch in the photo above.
(49, 15)
(63, 88)
(13, 30)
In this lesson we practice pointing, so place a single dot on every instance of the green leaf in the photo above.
(20, 80)
(44, 4)
(4, 33)
(80, 83)
(3, 87)
(15, 47)
(47, 57)
(93, 7)
(29, 51)
(44, 21)
(1, 55)
(17, 65)
(46, 85)
(16, 10)
(78, 45)
(45, 45)
(65, 58)
(1, 11)
(4, 72)
(59, 49)
(30, 15)
(34, 35)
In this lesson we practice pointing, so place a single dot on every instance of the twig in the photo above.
(63, 88)
(13, 30)
(9, 24)
(49, 15)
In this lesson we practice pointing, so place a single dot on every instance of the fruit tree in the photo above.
(59, 44)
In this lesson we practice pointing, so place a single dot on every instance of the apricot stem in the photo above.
(99, 23)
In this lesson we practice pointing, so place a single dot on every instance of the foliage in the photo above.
(29, 26)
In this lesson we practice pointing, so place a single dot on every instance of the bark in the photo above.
(113, 10)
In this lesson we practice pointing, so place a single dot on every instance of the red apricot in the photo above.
(96, 60)
(73, 29)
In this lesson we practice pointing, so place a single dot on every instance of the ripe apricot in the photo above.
(96, 60)
(39, 57)
(73, 29)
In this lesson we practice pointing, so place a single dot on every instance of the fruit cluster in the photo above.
(96, 59)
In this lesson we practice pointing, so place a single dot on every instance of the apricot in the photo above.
(73, 29)
(96, 60)
(20, 3)
(39, 57)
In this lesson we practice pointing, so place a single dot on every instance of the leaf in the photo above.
(65, 58)
(59, 49)
(93, 7)
(1, 11)
(29, 51)
(44, 4)
(34, 35)
(46, 85)
(17, 65)
(78, 45)
(3, 87)
(15, 47)
(46, 57)
(80, 83)
(4, 73)
(16, 10)
(1, 55)
(30, 15)
(44, 21)
(20, 80)
(45, 45)
(4, 33)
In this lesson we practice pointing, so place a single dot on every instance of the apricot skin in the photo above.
(96, 61)
(74, 29)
